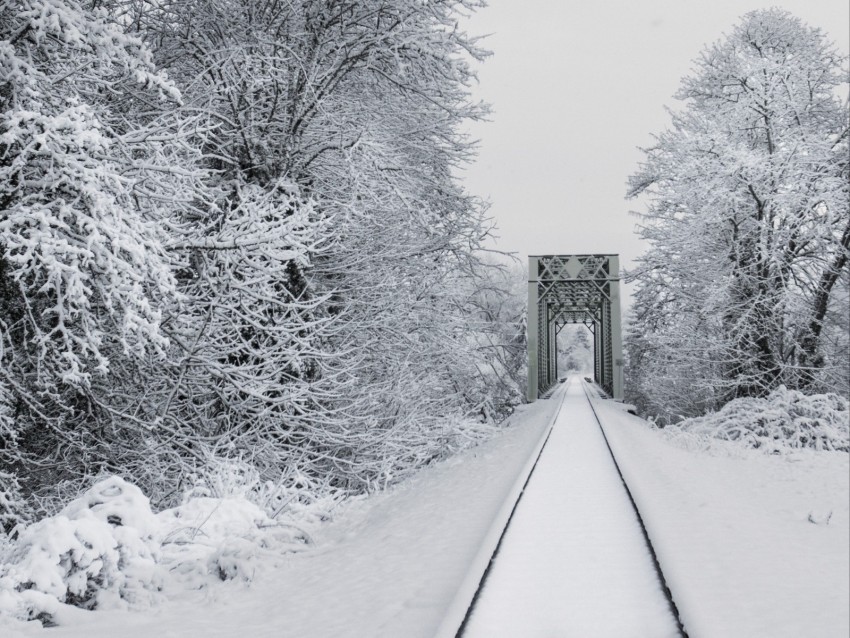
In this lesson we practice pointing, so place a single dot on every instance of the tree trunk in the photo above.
(810, 359)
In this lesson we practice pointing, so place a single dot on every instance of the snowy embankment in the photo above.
(388, 565)
(751, 544)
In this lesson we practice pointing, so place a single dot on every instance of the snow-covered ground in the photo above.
(751, 545)
(387, 566)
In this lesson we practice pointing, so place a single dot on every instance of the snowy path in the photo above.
(573, 561)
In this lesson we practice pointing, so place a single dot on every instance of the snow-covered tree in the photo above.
(575, 349)
(263, 255)
(499, 300)
(409, 233)
(748, 223)
(355, 106)
(86, 188)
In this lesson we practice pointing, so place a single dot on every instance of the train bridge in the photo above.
(571, 289)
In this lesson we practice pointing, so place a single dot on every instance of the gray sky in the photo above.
(576, 87)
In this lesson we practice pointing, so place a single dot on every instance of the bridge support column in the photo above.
(616, 330)
(598, 364)
(532, 338)
(553, 350)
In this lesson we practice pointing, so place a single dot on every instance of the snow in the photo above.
(108, 550)
(574, 561)
(98, 550)
(733, 532)
(784, 420)
(750, 544)
(389, 565)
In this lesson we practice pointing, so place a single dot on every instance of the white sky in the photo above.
(576, 87)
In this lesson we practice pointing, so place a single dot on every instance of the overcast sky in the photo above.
(576, 87)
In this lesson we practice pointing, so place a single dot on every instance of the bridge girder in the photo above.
(565, 289)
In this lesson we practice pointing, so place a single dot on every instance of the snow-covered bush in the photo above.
(296, 500)
(785, 420)
(12, 503)
(98, 551)
(223, 529)
(108, 549)
(212, 539)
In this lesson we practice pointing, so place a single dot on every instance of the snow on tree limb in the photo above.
(747, 205)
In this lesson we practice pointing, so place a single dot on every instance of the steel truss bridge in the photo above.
(572, 289)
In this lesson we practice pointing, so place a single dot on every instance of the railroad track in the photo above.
(457, 621)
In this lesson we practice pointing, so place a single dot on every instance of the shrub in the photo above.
(784, 420)
(99, 550)
(108, 549)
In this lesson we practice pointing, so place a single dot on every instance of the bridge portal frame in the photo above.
(574, 289)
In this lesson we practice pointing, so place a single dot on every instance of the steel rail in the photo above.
(449, 626)
(656, 564)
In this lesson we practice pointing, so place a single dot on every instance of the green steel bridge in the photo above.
(573, 289)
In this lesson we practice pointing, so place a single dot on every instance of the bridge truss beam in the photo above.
(566, 289)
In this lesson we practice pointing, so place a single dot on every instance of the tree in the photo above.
(575, 349)
(357, 104)
(281, 264)
(747, 221)
(86, 198)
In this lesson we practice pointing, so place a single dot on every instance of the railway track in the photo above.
(544, 528)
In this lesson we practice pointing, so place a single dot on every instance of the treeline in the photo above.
(745, 286)
(230, 231)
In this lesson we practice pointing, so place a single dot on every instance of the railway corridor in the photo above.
(573, 561)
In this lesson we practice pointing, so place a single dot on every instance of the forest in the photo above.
(744, 288)
(233, 240)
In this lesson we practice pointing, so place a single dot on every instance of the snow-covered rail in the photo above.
(464, 600)
(588, 389)
(568, 555)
